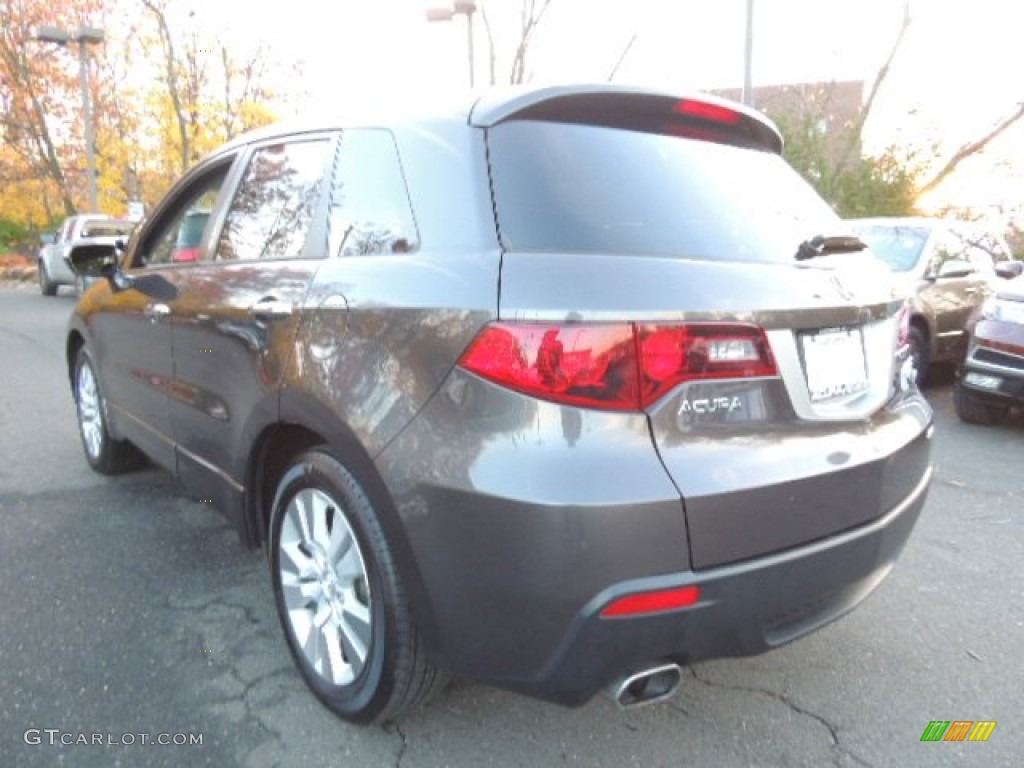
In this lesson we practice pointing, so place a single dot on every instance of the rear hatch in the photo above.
(769, 364)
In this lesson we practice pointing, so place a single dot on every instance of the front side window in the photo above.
(273, 209)
(370, 211)
(176, 237)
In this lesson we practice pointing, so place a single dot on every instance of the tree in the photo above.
(207, 93)
(882, 185)
(526, 22)
(890, 183)
(41, 165)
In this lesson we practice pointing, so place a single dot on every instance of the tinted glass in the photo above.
(107, 228)
(272, 211)
(560, 187)
(899, 247)
(370, 211)
(166, 242)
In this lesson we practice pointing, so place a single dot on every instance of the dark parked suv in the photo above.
(554, 391)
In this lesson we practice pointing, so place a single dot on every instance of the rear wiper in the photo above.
(823, 246)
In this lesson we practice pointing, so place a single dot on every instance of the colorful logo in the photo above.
(958, 730)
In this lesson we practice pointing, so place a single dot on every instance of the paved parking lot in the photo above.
(130, 609)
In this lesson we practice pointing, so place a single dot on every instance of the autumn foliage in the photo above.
(164, 91)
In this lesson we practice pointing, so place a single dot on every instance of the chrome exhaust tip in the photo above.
(648, 686)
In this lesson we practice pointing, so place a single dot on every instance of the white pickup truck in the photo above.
(54, 270)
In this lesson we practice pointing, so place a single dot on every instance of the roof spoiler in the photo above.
(699, 116)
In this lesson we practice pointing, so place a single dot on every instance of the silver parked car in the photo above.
(52, 261)
(554, 390)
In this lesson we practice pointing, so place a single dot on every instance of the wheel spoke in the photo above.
(295, 562)
(340, 542)
(340, 672)
(313, 647)
(350, 567)
(318, 524)
(301, 504)
(356, 639)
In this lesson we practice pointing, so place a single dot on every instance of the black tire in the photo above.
(920, 354)
(104, 454)
(973, 410)
(46, 286)
(354, 591)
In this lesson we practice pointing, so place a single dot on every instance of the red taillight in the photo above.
(903, 321)
(672, 354)
(621, 366)
(707, 111)
(651, 602)
(588, 365)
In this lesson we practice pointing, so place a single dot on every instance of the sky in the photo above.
(955, 75)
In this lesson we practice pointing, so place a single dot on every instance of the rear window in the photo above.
(584, 188)
(898, 246)
(107, 228)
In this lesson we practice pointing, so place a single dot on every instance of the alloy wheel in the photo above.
(90, 419)
(325, 586)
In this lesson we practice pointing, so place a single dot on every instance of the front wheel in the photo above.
(104, 454)
(46, 286)
(339, 596)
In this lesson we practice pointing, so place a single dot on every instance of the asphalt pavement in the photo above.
(130, 615)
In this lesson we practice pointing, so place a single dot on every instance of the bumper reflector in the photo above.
(643, 603)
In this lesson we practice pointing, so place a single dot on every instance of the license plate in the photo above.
(834, 363)
(983, 381)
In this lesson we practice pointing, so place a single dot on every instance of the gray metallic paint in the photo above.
(514, 519)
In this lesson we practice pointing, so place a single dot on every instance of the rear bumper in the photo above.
(745, 609)
(524, 518)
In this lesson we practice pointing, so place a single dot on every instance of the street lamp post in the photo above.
(466, 8)
(84, 36)
(748, 55)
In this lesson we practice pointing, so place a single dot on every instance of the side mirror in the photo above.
(48, 238)
(1010, 269)
(100, 260)
(93, 260)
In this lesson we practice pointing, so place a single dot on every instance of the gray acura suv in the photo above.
(555, 390)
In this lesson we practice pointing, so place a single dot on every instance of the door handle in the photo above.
(970, 291)
(156, 312)
(270, 308)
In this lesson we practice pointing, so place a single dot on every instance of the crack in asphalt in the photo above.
(395, 727)
(253, 716)
(833, 730)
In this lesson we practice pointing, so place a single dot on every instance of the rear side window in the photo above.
(570, 187)
(273, 209)
(369, 209)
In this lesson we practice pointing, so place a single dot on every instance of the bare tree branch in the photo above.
(491, 53)
(530, 18)
(969, 149)
(622, 57)
(857, 131)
